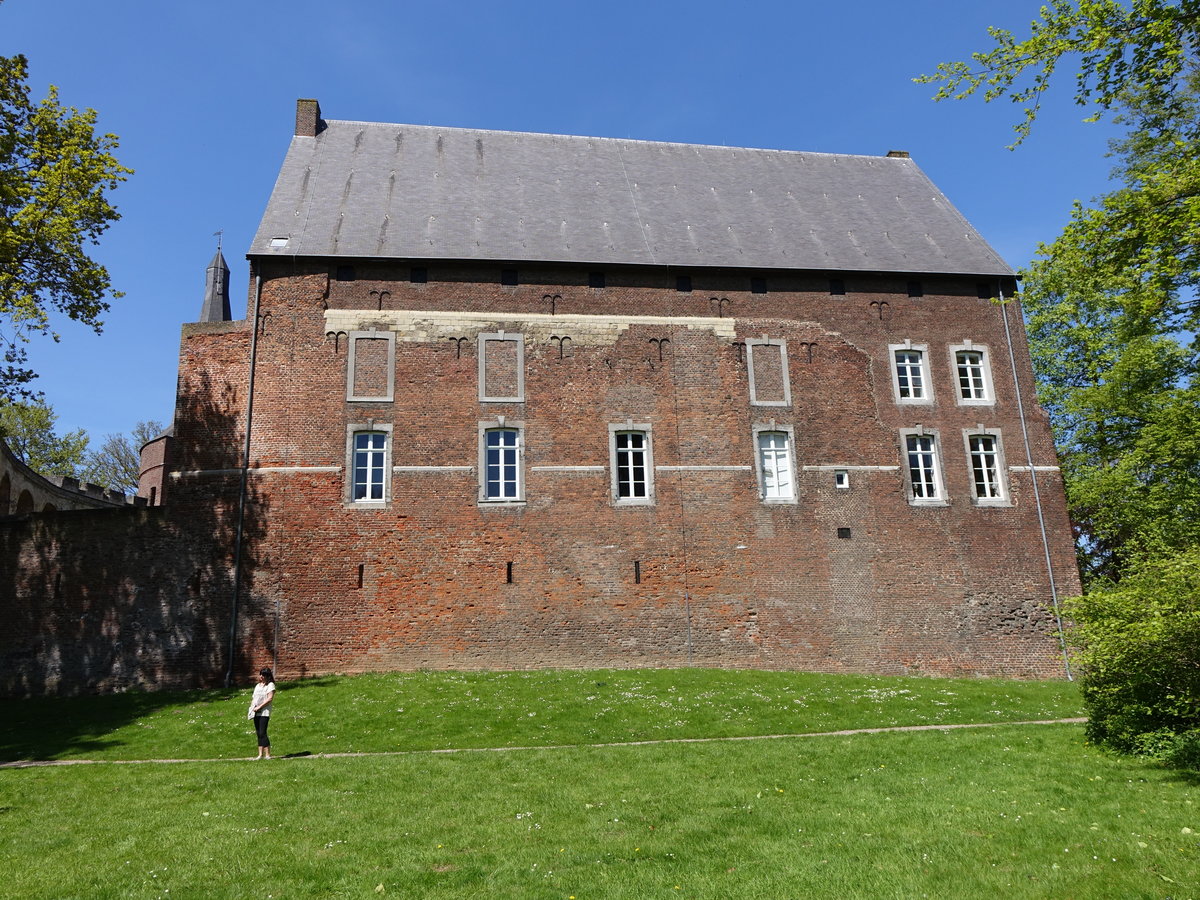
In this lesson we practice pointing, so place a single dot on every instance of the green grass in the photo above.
(1010, 811)
(430, 710)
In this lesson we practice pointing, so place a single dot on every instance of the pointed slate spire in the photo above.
(216, 291)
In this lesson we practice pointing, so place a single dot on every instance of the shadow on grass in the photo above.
(55, 727)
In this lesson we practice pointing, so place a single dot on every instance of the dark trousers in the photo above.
(260, 726)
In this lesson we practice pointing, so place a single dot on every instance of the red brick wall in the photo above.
(143, 598)
(725, 579)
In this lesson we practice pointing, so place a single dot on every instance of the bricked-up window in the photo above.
(501, 367)
(973, 374)
(775, 463)
(630, 450)
(910, 378)
(922, 466)
(371, 366)
(986, 455)
(501, 462)
(369, 464)
(767, 365)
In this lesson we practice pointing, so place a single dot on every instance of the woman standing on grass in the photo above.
(260, 711)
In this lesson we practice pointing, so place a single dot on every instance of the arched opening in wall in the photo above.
(5, 495)
(24, 503)
(49, 507)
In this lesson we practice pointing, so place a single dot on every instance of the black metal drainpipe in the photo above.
(241, 513)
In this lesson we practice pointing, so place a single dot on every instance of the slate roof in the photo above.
(362, 190)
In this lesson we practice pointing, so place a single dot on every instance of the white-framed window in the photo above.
(910, 373)
(922, 466)
(767, 365)
(774, 459)
(501, 367)
(972, 374)
(985, 455)
(841, 479)
(371, 366)
(501, 462)
(369, 463)
(631, 452)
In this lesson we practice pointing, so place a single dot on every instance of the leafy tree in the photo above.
(117, 463)
(1113, 320)
(1140, 647)
(55, 175)
(28, 429)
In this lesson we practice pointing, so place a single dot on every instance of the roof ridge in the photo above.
(584, 137)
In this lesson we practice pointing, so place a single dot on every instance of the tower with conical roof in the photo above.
(216, 291)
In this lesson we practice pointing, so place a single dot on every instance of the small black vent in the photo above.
(758, 285)
(683, 284)
(508, 276)
(916, 289)
(844, 533)
(418, 275)
(596, 279)
(837, 287)
(344, 273)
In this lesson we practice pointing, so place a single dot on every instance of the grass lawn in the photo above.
(1010, 811)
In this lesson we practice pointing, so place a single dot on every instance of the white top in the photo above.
(260, 692)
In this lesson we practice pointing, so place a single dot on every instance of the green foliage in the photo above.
(55, 175)
(1113, 321)
(1139, 644)
(28, 429)
(1136, 48)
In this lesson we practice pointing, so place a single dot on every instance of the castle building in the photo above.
(521, 400)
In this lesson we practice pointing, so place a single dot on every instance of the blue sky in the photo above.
(202, 97)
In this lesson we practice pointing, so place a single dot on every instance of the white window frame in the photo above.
(786, 374)
(985, 365)
(631, 427)
(352, 433)
(484, 339)
(922, 350)
(936, 482)
(500, 423)
(1002, 497)
(760, 430)
(372, 335)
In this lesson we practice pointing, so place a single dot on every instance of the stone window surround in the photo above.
(501, 335)
(370, 426)
(1005, 499)
(373, 334)
(759, 428)
(764, 341)
(989, 395)
(926, 382)
(491, 425)
(939, 481)
(630, 425)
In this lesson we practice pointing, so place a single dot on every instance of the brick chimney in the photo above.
(892, 154)
(308, 118)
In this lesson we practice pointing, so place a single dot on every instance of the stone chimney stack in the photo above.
(308, 118)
